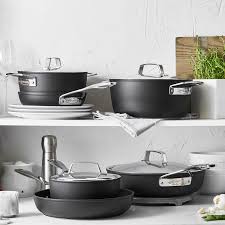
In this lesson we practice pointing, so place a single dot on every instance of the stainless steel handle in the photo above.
(70, 172)
(15, 74)
(165, 181)
(59, 164)
(164, 161)
(29, 174)
(183, 88)
(91, 74)
(72, 100)
(160, 67)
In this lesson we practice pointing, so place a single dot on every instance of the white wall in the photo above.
(110, 37)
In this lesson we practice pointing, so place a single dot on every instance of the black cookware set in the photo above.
(150, 95)
(88, 195)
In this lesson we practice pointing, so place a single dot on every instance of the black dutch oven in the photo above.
(159, 179)
(155, 97)
(50, 85)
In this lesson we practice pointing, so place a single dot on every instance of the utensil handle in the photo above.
(160, 67)
(15, 74)
(91, 74)
(183, 88)
(164, 161)
(59, 164)
(101, 85)
(94, 163)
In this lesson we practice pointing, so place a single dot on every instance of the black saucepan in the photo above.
(164, 179)
(160, 97)
(79, 185)
(83, 208)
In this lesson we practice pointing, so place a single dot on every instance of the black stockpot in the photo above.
(159, 179)
(150, 98)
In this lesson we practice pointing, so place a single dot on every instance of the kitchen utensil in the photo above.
(152, 97)
(50, 116)
(11, 181)
(49, 145)
(83, 208)
(159, 178)
(84, 185)
(186, 49)
(29, 174)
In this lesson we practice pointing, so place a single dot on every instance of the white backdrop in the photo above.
(110, 37)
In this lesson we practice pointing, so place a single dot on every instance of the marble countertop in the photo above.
(136, 215)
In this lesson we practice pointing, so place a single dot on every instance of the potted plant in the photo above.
(209, 67)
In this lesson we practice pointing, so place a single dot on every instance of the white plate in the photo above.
(85, 106)
(53, 116)
(48, 110)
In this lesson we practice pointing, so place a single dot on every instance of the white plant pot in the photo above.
(209, 99)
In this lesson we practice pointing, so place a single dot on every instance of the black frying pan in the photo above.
(83, 208)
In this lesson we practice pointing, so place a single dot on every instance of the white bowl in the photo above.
(213, 184)
(12, 181)
(217, 158)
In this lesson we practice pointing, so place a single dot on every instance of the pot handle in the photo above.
(165, 181)
(70, 171)
(101, 85)
(183, 88)
(91, 74)
(15, 74)
(164, 161)
(160, 70)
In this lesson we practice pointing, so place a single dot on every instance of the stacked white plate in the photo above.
(50, 112)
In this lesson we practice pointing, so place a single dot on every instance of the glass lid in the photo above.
(147, 166)
(74, 176)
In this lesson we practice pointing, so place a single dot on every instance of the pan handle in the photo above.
(71, 100)
(29, 174)
(164, 161)
(183, 88)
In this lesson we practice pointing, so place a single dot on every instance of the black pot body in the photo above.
(83, 209)
(148, 185)
(148, 98)
(84, 190)
(41, 98)
(51, 81)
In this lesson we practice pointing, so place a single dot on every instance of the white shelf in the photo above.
(13, 121)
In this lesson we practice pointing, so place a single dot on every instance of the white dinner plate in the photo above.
(48, 110)
(53, 116)
(84, 106)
